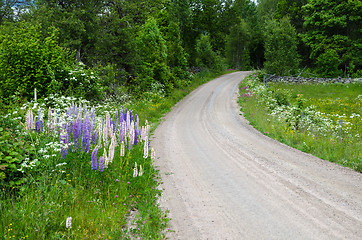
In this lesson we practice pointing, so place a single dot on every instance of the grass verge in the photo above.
(323, 119)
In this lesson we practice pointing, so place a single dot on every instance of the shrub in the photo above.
(31, 58)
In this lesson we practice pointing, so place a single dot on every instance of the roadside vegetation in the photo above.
(322, 119)
(75, 170)
(70, 69)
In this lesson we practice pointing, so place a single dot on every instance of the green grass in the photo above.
(339, 141)
(103, 205)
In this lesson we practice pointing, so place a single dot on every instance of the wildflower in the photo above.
(140, 173)
(94, 158)
(68, 223)
(29, 119)
(122, 149)
(135, 170)
(145, 150)
(77, 128)
(101, 164)
(87, 128)
(111, 150)
(153, 154)
(106, 159)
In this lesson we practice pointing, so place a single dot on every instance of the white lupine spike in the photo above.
(140, 173)
(153, 154)
(106, 159)
(122, 149)
(145, 148)
(135, 170)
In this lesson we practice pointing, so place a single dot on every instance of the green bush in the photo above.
(328, 63)
(281, 55)
(83, 83)
(31, 58)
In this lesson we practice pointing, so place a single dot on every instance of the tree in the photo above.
(334, 27)
(29, 60)
(281, 55)
(237, 46)
(206, 57)
(152, 65)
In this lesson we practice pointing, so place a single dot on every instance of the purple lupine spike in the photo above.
(135, 135)
(101, 164)
(86, 136)
(94, 158)
(125, 115)
(77, 127)
(120, 135)
(130, 116)
(69, 131)
(94, 137)
(63, 149)
(130, 145)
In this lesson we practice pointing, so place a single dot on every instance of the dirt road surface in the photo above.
(224, 180)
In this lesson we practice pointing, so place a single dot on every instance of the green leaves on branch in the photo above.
(333, 32)
(31, 58)
(281, 55)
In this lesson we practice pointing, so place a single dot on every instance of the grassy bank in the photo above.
(322, 119)
(75, 170)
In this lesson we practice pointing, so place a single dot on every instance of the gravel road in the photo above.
(222, 179)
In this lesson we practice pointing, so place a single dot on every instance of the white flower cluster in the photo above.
(315, 122)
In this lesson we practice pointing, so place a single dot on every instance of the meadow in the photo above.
(321, 119)
(72, 169)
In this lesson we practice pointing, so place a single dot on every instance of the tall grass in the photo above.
(322, 119)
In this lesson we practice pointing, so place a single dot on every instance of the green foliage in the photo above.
(152, 66)
(333, 27)
(29, 60)
(83, 82)
(308, 117)
(206, 57)
(14, 150)
(237, 46)
(281, 55)
(328, 63)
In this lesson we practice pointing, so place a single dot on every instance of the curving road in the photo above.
(224, 180)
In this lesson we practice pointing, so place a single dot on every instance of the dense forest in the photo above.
(91, 48)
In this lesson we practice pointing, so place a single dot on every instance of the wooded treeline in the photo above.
(148, 45)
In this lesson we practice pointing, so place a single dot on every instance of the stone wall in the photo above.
(311, 80)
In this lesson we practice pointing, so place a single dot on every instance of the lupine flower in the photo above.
(101, 164)
(135, 135)
(63, 142)
(105, 138)
(29, 119)
(106, 159)
(87, 128)
(153, 154)
(77, 128)
(94, 137)
(120, 134)
(108, 125)
(68, 223)
(135, 170)
(141, 171)
(122, 149)
(111, 149)
(145, 149)
(94, 158)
